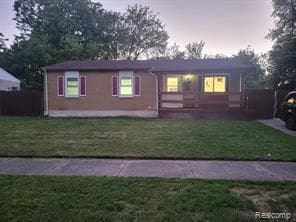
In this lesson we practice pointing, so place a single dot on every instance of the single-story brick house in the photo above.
(143, 87)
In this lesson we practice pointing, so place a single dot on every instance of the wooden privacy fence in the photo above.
(259, 103)
(21, 103)
(264, 103)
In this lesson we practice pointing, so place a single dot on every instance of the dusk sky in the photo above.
(225, 25)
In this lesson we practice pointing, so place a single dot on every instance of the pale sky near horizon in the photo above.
(225, 25)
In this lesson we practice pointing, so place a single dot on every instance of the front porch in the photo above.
(200, 101)
(216, 92)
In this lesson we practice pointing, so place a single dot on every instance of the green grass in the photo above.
(32, 198)
(144, 137)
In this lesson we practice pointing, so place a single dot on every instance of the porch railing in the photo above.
(175, 100)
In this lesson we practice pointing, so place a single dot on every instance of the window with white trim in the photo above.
(72, 84)
(126, 84)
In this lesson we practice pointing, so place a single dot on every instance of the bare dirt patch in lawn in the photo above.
(261, 198)
(111, 135)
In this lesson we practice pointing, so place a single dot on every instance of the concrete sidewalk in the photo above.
(237, 170)
(278, 124)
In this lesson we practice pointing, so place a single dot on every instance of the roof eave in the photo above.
(203, 70)
(93, 69)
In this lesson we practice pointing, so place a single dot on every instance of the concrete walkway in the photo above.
(237, 170)
(278, 124)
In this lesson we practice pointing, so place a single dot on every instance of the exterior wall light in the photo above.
(188, 77)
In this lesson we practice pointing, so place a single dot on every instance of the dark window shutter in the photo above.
(137, 86)
(82, 85)
(114, 85)
(60, 85)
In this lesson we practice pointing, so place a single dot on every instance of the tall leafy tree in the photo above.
(174, 52)
(60, 21)
(56, 30)
(215, 56)
(2, 42)
(283, 54)
(3, 50)
(143, 33)
(194, 50)
(249, 57)
(25, 58)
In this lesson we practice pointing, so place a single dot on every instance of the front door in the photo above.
(189, 90)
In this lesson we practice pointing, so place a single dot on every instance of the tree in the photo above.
(215, 56)
(26, 57)
(248, 57)
(84, 21)
(52, 31)
(282, 57)
(3, 50)
(284, 13)
(2, 42)
(57, 30)
(194, 50)
(174, 52)
(143, 33)
(283, 64)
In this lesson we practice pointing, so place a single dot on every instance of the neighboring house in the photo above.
(8, 82)
(143, 87)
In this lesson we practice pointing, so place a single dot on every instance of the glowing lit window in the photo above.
(219, 84)
(209, 84)
(215, 84)
(172, 84)
(72, 86)
(126, 86)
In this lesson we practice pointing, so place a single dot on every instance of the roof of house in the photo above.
(4, 75)
(160, 65)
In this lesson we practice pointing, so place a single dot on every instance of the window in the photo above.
(72, 87)
(208, 84)
(126, 84)
(215, 84)
(72, 84)
(172, 84)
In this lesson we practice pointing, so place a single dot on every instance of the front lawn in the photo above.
(144, 137)
(32, 198)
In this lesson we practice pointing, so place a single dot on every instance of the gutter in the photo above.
(45, 93)
(156, 81)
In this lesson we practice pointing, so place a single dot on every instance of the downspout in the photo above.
(45, 93)
(156, 81)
